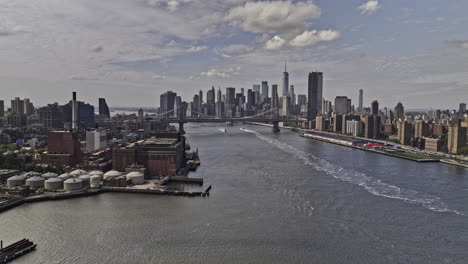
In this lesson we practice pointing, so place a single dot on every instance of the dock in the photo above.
(15, 250)
(183, 180)
(150, 191)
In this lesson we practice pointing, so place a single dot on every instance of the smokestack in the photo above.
(74, 112)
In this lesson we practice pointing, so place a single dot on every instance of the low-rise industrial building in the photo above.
(160, 156)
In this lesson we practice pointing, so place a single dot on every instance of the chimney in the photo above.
(74, 113)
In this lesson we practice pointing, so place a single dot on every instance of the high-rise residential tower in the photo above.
(361, 97)
(315, 91)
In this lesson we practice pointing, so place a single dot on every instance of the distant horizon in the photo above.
(409, 51)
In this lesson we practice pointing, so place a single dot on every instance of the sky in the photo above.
(131, 51)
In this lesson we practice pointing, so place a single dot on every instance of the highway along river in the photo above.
(276, 198)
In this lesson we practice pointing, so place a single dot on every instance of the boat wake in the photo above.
(370, 184)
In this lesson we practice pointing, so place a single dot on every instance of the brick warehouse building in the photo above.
(63, 147)
(160, 156)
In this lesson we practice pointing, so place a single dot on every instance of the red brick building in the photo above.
(63, 148)
(160, 156)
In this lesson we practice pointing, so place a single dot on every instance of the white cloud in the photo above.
(224, 73)
(275, 43)
(158, 77)
(463, 44)
(312, 37)
(236, 49)
(172, 5)
(273, 16)
(370, 7)
(197, 48)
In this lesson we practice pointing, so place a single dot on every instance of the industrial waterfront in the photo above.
(277, 198)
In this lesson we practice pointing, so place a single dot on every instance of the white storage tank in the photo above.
(136, 177)
(73, 184)
(49, 175)
(65, 176)
(77, 173)
(111, 174)
(97, 173)
(35, 182)
(95, 181)
(86, 178)
(53, 184)
(17, 180)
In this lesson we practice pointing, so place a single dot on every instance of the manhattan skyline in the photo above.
(395, 51)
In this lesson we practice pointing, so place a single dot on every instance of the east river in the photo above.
(276, 198)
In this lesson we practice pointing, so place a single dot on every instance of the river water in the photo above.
(276, 198)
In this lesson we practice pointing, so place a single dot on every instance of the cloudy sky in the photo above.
(130, 51)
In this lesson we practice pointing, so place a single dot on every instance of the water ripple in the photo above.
(370, 184)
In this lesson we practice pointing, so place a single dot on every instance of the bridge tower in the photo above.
(276, 128)
(181, 128)
(181, 121)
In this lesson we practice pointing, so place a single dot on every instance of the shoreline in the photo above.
(349, 144)
(15, 202)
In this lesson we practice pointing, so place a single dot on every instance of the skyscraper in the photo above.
(167, 101)
(2, 108)
(231, 95)
(219, 95)
(341, 105)
(219, 107)
(28, 107)
(51, 116)
(85, 114)
(140, 114)
(461, 110)
(285, 81)
(315, 87)
(421, 129)
(375, 108)
(103, 108)
(274, 96)
(264, 95)
(361, 97)
(404, 132)
(456, 138)
(399, 111)
(17, 106)
(292, 96)
(256, 90)
(196, 104)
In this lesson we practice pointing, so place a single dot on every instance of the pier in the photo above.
(182, 179)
